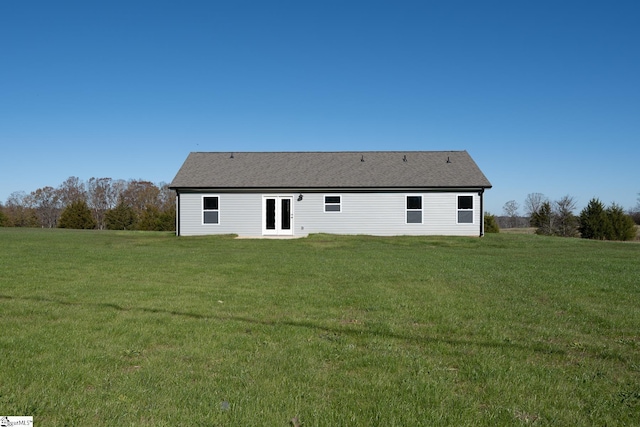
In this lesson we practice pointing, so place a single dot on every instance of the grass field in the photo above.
(147, 329)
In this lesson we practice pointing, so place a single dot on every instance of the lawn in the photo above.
(148, 329)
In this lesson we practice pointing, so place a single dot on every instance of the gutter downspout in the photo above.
(177, 213)
(481, 194)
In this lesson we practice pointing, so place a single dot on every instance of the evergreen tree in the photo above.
(153, 219)
(77, 215)
(594, 222)
(543, 220)
(167, 220)
(621, 226)
(148, 218)
(122, 217)
(635, 212)
(4, 220)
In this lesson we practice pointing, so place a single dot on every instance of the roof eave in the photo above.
(329, 188)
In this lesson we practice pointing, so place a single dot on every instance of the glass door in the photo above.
(277, 217)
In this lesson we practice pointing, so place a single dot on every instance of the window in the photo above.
(465, 209)
(332, 203)
(414, 209)
(211, 212)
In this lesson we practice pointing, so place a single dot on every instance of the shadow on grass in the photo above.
(535, 347)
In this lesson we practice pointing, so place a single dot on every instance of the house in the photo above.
(383, 193)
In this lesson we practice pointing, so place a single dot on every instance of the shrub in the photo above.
(621, 225)
(490, 224)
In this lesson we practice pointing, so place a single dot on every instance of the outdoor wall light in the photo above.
(300, 197)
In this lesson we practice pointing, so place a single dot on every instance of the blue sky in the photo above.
(544, 95)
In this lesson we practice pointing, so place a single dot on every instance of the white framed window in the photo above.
(210, 210)
(332, 203)
(465, 209)
(414, 209)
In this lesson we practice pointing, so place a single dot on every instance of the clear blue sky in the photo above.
(545, 95)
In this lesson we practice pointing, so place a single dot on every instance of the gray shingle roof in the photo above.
(368, 169)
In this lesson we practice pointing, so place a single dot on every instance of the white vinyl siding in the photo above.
(382, 214)
(239, 214)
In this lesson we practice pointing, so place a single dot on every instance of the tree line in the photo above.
(557, 218)
(99, 203)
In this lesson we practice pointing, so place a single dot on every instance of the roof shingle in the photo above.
(346, 169)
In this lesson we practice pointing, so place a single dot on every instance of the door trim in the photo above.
(276, 211)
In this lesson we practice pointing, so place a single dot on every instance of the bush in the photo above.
(490, 224)
(77, 215)
(621, 226)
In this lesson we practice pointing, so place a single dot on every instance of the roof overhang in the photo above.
(328, 189)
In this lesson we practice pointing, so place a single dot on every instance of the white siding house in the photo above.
(295, 194)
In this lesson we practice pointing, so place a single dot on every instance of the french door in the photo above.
(277, 215)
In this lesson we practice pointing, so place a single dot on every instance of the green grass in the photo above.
(125, 328)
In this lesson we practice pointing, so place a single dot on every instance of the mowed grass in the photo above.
(147, 329)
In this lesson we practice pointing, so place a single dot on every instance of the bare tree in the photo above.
(17, 198)
(566, 223)
(72, 190)
(510, 209)
(533, 203)
(140, 194)
(166, 198)
(19, 211)
(102, 195)
(46, 202)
